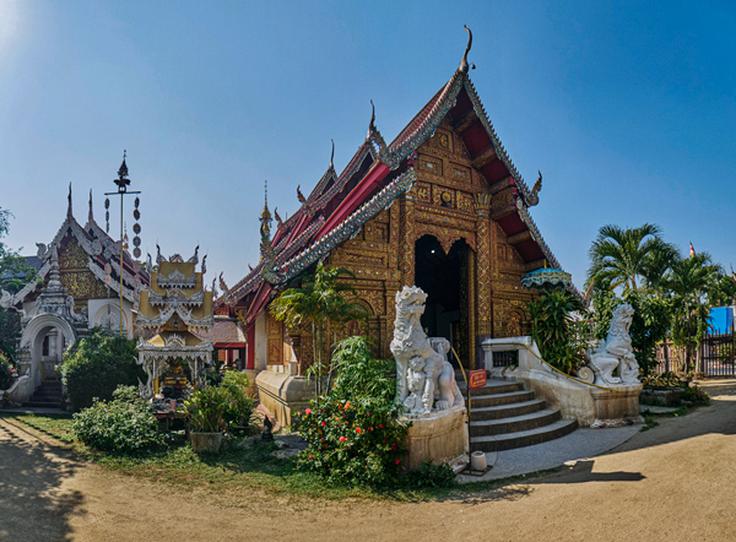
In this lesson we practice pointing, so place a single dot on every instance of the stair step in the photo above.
(495, 386)
(506, 411)
(514, 424)
(43, 404)
(507, 441)
(505, 398)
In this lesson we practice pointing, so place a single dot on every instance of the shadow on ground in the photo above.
(717, 418)
(32, 504)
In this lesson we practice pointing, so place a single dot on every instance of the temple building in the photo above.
(177, 308)
(442, 206)
(77, 288)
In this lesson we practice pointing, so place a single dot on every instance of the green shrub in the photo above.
(206, 408)
(560, 338)
(97, 365)
(123, 425)
(663, 381)
(353, 433)
(239, 407)
(6, 372)
(126, 394)
(357, 442)
(696, 395)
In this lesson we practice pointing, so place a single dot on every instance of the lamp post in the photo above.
(122, 183)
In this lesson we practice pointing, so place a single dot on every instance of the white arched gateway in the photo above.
(46, 337)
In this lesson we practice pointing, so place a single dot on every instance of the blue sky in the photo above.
(628, 108)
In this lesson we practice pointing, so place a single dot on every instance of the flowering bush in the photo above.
(353, 433)
(354, 442)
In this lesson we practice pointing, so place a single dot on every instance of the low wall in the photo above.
(283, 395)
(590, 405)
(20, 391)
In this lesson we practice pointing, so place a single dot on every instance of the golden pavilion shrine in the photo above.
(177, 310)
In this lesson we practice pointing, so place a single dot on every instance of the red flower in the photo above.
(394, 446)
(380, 426)
(358, 430)
(324, 423)
(307, 411)
(397, 461)
(370, 429)
(347, 405)
(343, 439)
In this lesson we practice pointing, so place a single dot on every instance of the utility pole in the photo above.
(122, 183)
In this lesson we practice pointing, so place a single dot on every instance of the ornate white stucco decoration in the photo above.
(425, 380)
(613, 361)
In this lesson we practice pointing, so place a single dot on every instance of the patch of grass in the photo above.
(58, 426)
(251, 467)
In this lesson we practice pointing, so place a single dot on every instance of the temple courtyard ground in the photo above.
(676, 481)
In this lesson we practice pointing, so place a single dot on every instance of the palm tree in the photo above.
(628, 258)
(321, 299)
(692, 284)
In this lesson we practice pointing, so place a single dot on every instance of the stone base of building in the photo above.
(283, 395)
(439, 438)
(252, 389)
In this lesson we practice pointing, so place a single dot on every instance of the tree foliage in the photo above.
(322, 298)
(627, 258)
(14, 271)
(556, 331)
(14, 274)
(671, 295)
(98, 364)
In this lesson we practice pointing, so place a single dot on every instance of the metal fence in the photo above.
(715, 358)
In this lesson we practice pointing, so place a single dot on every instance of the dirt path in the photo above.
(676, 482)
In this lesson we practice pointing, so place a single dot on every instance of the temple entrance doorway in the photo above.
(444, 277)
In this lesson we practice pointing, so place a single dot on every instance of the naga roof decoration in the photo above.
(378, 173)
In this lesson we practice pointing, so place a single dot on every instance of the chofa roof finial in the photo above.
(90, 210)
(464, 66)
(372, 123)
(332, 155)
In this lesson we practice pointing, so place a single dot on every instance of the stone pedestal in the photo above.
(284, 395)
(616, 406)
(441, 437)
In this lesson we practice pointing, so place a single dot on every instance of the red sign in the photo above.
(477, 378)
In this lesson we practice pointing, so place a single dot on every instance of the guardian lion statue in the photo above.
(615, 354)
(425, 379)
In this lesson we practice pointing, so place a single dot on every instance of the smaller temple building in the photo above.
(77, 288)
(177, 310)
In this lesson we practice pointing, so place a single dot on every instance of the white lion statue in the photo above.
(425, 380)
(615, 354)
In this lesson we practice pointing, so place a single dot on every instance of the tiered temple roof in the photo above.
(103, 252)
(376, 175)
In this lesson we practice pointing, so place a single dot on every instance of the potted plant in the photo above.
(206, 410)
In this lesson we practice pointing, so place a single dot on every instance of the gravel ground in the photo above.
(675, 482)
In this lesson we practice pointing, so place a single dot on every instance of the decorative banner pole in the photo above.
(122, 183)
